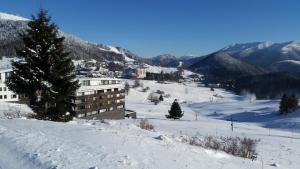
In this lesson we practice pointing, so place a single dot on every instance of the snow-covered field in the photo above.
(26, 143)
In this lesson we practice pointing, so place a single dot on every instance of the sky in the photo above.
(179, 27)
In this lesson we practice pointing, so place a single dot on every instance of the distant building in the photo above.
(99, 98)
(140, 72)
(5, 93)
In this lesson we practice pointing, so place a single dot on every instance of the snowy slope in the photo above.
(5, 16)
(121, 144)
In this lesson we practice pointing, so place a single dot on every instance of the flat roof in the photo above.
(98, 87)
(97, 78)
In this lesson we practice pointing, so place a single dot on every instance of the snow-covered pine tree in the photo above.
(175, 112)
(44, 72)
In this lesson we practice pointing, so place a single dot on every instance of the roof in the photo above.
(98, 87)
(97, 78)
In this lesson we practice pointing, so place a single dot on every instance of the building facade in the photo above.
(5, 93)
(99, 98)
(140, 72)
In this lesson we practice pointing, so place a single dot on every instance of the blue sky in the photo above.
(179, 27)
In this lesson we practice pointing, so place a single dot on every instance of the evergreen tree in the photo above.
(283, 107)
(44, 71)
(175, 112)
(126, 88)
(294, 101)
(161, 98)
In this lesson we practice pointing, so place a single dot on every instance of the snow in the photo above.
(295, 62)
(113, 144)
(5, 16)
(5, 62)
(13, 110)
(291, 47)
(159, 69)
(113, 49)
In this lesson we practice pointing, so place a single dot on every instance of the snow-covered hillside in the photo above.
(108, 144)
(5, 16)
(11, 26)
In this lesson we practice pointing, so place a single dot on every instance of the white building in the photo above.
(5, 93)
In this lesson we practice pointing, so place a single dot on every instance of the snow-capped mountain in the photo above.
(223, 66)
(291, 66)
(11, 26)
(264, 53)
(168, 60)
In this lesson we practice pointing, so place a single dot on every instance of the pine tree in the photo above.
(284, 107)
(294, 102)
(44, 71)
(161, 98)
(126, 88)
(175, 112)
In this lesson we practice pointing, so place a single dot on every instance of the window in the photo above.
(4, 88)
(80, 93)
(13, 96)
(82, 107)
(102, 110)
(82, 100)
(0, 88)
(100, 91)
(80, 115)
(1, 97)
(108, 90)
(113, 81)
(105, 82)
(5, 97)
(120, 107)
(116, 89)
(77, 101)
(86, 83)
(7, 74)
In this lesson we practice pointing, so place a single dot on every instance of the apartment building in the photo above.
(99, 98)
(5, 93)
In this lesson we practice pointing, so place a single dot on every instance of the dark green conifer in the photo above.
(44, 71)
(175, 111)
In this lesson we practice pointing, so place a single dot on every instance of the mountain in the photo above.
(268, 86)
(11, 26)
(291, 66)
(166, 60)
(222, 66)
(264, 54)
